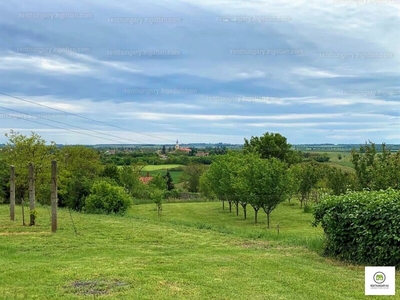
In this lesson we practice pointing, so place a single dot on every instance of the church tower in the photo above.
(177, 145)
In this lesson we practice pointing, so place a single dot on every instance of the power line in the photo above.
(86, 118)
(98, 132)
(53, 126)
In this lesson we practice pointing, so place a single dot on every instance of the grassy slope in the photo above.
(141, 257)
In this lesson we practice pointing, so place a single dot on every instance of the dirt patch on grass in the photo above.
(95, 287)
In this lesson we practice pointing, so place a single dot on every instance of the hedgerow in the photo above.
(362, 227)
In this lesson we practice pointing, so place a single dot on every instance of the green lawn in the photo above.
(159, 167)
(196, 251)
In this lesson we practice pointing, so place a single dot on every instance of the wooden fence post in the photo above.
(31, 193)
(12, 193)
(54, 197)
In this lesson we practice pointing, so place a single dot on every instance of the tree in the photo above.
(271, 145)
(193, 151)
(157, 195)
(191, 176)
(4, 181)
(78, 168)
(168, 178)
(21, 150)
(376, 171)
(307, 176)
(129, 179)
(106, 198)
(163, 150)
(363, 161)
(111, 171)
(217, 179)
(267, 184)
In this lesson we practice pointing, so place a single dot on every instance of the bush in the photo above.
(362, 227)
(106, 198)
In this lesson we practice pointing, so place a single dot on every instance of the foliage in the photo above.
(106, 198)
(268, 184)
(111, 171)
(376, 171)
(168, 179)
(272, 145)
(157, 195)
(20, 150)
(73, 189)
(362, 227)
(4, 181)
(78, 168)
(129, 179)
(191, 176)
(306, 176)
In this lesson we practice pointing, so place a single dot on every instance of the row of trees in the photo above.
(84, 183)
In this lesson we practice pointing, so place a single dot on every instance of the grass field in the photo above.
(196, 251)
(162, 169)
(149, 168)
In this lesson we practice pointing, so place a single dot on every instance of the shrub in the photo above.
(106, 198)
(362, 227)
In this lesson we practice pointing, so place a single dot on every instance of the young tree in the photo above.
(307, 176)
(191, 176)
(168, 178)
(268, 184)
(218, 179)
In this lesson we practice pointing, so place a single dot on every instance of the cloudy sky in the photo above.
(150, 71)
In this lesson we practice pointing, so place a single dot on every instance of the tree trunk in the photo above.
(268, 220)
(230, 206)
(237, 208)
(255, 215)
(244, 210)
(223, 204)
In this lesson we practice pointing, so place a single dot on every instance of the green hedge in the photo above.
(362, 227)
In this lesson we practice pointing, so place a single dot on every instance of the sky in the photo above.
(98, 72)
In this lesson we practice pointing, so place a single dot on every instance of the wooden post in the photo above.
(31, 193)
(54, 199)
(12, 193)
(278, 228)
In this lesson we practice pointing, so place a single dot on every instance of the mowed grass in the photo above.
(196, 251)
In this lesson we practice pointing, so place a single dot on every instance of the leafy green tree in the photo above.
(157, 195)
(268, 181)
(129, 179)
(191, 176)
(168, 178)
(111, 171)
(217, 180)
(163, 150)
(4, 181)
(307, 175)
(376, 171)
(363, 161)
(272, 145)
(158, 182)
(78, 168)
(106, 198)
(338, 181)
(20, 150)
